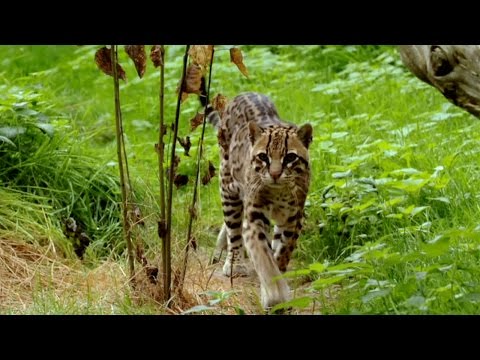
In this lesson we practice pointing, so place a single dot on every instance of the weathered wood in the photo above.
(453, 69)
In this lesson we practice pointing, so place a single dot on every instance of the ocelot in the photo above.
(264, 177)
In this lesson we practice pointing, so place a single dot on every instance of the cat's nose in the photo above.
(275, 174)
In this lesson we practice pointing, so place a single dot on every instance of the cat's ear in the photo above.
(254, 131)
(305, 134)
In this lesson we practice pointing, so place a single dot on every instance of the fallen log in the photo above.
(453, 69)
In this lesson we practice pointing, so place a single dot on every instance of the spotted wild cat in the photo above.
(264, 177)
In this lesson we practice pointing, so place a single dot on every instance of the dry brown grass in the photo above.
(30, 272)
(35, 279)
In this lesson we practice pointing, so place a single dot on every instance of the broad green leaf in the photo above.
(430, 268)
(8, 141)
(326, 144)
(345, 210)
(418, 210)
(405, 171)
(449, 159)
(357, 158)
(375, 294)
(198, 308)
(441, 198)
(394, 216)
(408, 210)
(445, 268)
(365, 205)
(393, 259)
(472, 297)
(46, 128)
(339, 135)
(384, 181)
(417, 302)
(335, 205)
(318, 267)
(293, 274)
(411, 256)
(239, 310)
(344, 266)
(440, 182)
(376, 283)
(442, 116)
(321, 283)
(421, 275)
(12, 131)
(142, 124)
(341, 175)
(409, 185)
(436, 247)
(447, 287)
(20, 105)
(26, 112)
(299, 303)
(378, 254)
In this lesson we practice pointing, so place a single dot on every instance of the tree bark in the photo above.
(453, 69)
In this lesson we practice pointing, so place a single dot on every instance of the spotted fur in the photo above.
(264, 179)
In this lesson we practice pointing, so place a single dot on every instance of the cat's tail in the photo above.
(213, 117)
(212, 113)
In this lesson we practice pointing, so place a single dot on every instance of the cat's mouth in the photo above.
(276, 183)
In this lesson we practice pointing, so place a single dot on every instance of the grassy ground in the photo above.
(392, 216)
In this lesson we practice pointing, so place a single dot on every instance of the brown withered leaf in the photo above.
(219, 103)
(152, 274)
(184, 97)
(193, 79)
(138, 216)
(140, 254)
(193, 212)
(176, 161)
(103, 59)
(139, 57)
(162, 229)
(157, 54)
(192, 83)
(237, 58)
(186, 144)
(196, 121)
(201, 55)
(184, 94)
(180, 180)
(157, 148)
(210, 174)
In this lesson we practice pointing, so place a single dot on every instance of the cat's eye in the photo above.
(289, 158)
(263, 157)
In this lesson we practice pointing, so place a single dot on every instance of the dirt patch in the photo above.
(206, 282)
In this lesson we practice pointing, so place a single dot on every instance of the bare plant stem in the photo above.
(170, 182)
(125, 186)
(197, 178)
(161, 175)
(161, 144)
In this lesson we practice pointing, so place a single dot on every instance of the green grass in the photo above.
(392, 215)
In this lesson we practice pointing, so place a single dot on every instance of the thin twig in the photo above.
(197, 177)
(120, 145)
(170, 183)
